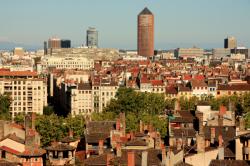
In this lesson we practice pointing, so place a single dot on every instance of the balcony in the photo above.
(246, 150)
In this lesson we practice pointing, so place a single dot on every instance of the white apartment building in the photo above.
(28, 94)
(58, 62)
(88, 98)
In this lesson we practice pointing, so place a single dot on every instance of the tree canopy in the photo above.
(5, 102)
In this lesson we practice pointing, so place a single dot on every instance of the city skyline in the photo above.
(177, 24)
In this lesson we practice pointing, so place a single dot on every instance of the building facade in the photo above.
(230, 43)
(54, 43)
(92, 38)
(67, 62)
(145, 33)
(27, 92)
(65, 43)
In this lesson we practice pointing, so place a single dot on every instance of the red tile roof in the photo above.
(18, 73)
(7, 149)
(157, 82)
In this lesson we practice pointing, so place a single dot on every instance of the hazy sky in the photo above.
(178, 23)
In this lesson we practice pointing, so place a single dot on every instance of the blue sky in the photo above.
(178, 23)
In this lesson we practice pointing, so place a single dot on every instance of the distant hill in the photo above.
(11, 45)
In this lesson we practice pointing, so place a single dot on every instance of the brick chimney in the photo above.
(212, 134)
(118, 124)
(109, 158)
(163, 155)
(71, 133)
(118, 149)
(131, 158)
(242, 124)
(33, 120)
(141, 127)
(100, 147)
(222, 112)
(144, 159)
(221, 148)
(199, 115)
(123, 124)
(200, 141)
(179, 144)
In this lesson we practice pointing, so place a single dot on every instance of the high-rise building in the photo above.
(45, 48)
(54, 43)
(92, 37)
(65, 44)
(145, 33)
(230, 43)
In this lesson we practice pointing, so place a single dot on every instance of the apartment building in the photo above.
(86, 98)
(28, 93)
(59, 62)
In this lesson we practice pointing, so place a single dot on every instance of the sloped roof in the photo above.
(145, 11)
(228, 162)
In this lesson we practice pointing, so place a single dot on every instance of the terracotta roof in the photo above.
(171, 90)
(235, 87)
(228, 132)
(9, 163)
(179, 133)
(136, 142)
(14, 138)
(157, 82)
(228, 163)
(10, 150)
(33, 151)
(60, 147)
(184, 89)
(18, 73)
(97, 130)
(196, 83)
(84, 86)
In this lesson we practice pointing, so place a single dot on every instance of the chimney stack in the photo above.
(144, 159)
(100, 147)
(200, 141)
(131, 158)
(118, 149)
(178, 144)
(199, 115)
(141, 127)
(71, 133)
(33, 121)
(242, 124)
(109, 158)
(118, 124)
(212, 132)
(221, 148)
(163, 155)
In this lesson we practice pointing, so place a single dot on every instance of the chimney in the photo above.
(132, 135)
(100, 147)
(178, 144)
(141, 127)
(131, 158)
(242, 124)
(118, 124)
(123, 123)
(163, 155)
(200, 141)
(212, 132)
(71, 133)
(221, 148)
(118, 149)
(199, 115)
(222, 110)
(144, 159)
(109, 158)
(33, 121)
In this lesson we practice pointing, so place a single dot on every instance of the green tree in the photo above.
(76, 124)
(5, 102)
(48, 110)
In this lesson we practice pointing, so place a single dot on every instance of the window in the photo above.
(3, 154)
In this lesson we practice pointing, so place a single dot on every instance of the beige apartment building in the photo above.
(58, 62)
(28, 93)
(87, 98)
